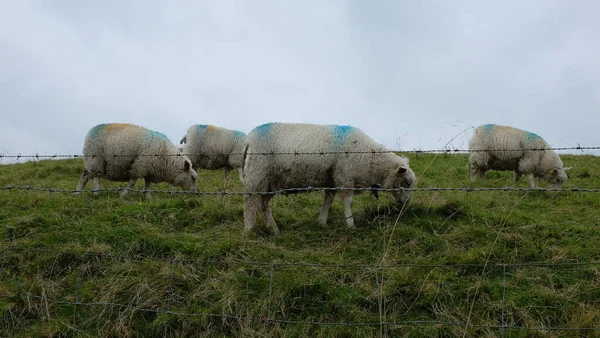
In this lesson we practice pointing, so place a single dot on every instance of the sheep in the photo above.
(211, 147)
(495, 147)
(315, 156)
(126, 152)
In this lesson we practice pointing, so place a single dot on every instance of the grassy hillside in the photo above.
(149, 268)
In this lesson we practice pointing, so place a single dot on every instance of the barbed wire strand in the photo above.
(446, 150)
(296, 190)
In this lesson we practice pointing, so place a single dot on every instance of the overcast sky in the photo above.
(411, 74)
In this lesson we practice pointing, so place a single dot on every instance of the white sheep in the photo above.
(211, 147)
(305, 166)
(495, 147)
(126, 152)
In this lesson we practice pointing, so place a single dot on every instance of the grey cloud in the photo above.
(411, 74)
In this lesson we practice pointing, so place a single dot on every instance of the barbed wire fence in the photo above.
(444, 150)
(295, 190)
(297, 153)
(273, 315)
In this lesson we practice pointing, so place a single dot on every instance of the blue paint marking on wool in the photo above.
(96, 131)
(238, 135)
(340, 134)
(201, 128)
(157, 134)
(531, 137)
(488, 128)
(264, 130)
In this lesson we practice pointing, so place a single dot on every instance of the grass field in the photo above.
(453, 264)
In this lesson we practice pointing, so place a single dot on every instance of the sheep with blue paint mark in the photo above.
(495, 147)
(126, 152)
(310, 155)
(211, 147)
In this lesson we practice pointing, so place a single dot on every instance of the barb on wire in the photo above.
(294, 190)
(446, 150)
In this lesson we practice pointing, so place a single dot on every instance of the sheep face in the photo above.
(401, 177)
(186, 177)
(556, 177)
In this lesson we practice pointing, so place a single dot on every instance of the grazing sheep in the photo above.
(125, 152)
(299, 170)
(211, 147)
(495, 147)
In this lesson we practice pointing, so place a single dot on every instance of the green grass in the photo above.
(188, 254)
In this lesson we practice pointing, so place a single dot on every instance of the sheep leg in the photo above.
(482, 174)
(473, 176)
(251, 207)
(130, 185)
(96, 185)
(517, 176)
(241, 173)
(478, 165)
(267, 214)
(147, 188)
(322, 219)
(476, 172)
(531, 180)
(85, 176)
(347, 202)
(527, 167)
(472, 172)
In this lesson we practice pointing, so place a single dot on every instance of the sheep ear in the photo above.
(567, 168)
(186, 166)
(401, 170)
